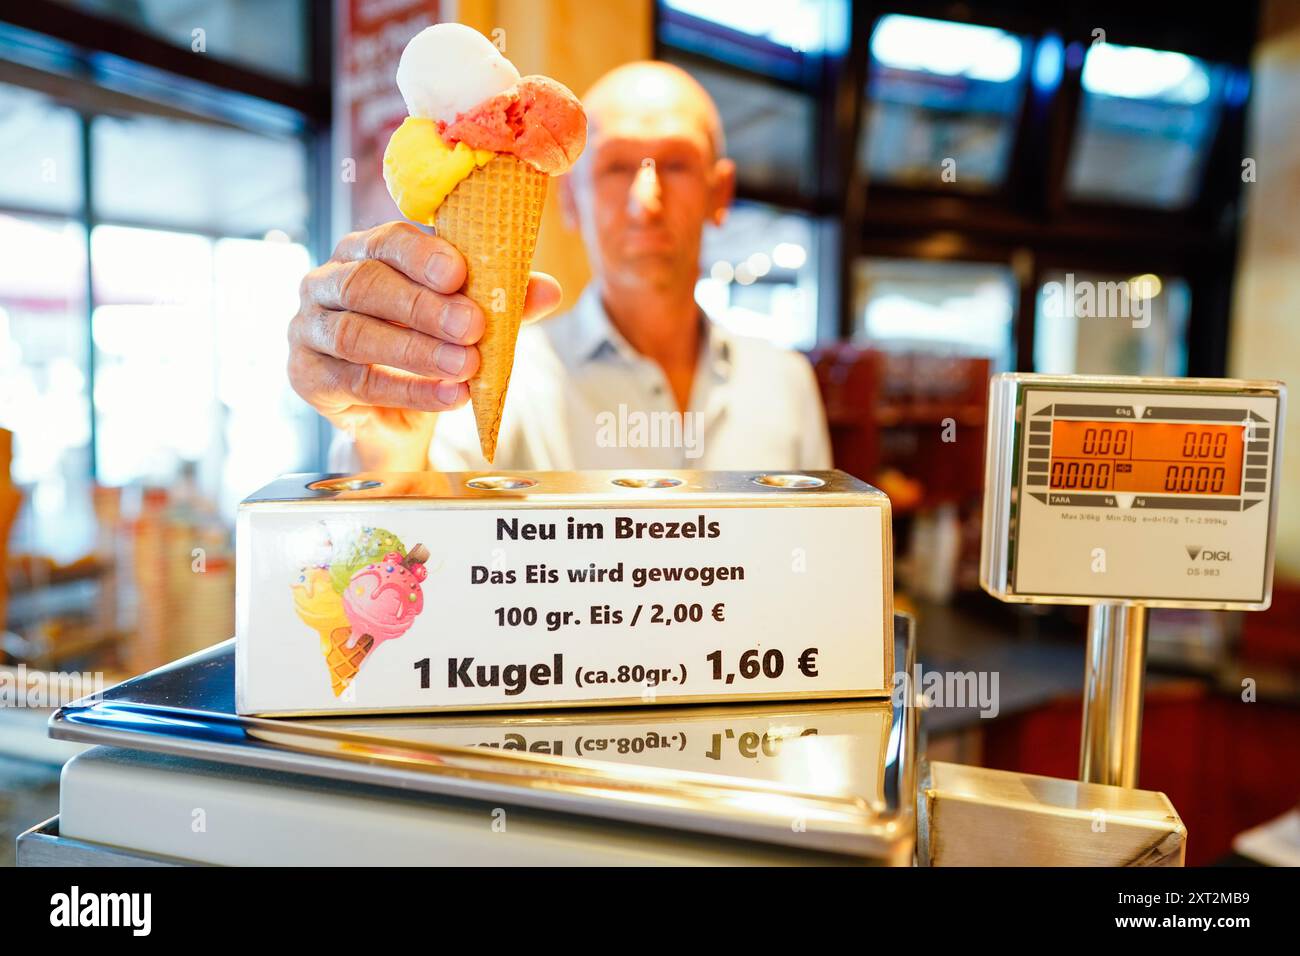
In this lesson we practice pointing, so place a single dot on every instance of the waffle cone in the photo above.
(492, 217)
(343, 661)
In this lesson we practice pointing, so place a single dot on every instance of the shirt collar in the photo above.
(592, 336)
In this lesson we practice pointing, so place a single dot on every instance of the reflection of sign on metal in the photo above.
(793, 744)
(371, 38)
(845, 770)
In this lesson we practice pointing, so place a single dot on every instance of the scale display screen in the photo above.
(1147, 457)
(1159, 491)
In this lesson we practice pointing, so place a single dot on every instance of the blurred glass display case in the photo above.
(759, 275)
(1089, 323)
(269, 35)
(942, 97)
(1144, 127)
(962, 308)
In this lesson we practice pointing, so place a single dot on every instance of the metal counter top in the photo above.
(833, 776)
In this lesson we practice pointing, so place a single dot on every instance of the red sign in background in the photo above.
(372, 34)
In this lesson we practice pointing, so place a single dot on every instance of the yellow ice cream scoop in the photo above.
(421, 170)
(318, 605)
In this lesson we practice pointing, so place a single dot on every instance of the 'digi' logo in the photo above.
(1195, 551)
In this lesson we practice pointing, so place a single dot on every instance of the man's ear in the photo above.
(724, 189)
(569, 204)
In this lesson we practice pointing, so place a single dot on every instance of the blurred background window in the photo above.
(45, 380)
(1145, 126)
(266, 429)
(200, 176)
(941, 93)
(948, 307)
(759, 275)
(153, 352)
(764, 64)
(40, 142)
(44, 355)
(190, 336)
(800, 25)
(188, 326)
(770, 126)
(1097, 324)
(161, 197)
(269, 35)
(781, 40)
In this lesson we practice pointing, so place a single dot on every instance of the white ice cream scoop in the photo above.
(449, 68)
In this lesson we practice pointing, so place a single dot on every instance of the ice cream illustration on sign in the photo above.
(473, 159)
(369, 593)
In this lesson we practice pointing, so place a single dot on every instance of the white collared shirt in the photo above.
(582, 398)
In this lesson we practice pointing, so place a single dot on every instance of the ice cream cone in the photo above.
(492, 217)
(344, 662)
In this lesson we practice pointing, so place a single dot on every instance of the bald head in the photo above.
(649, 98)
(652, 176)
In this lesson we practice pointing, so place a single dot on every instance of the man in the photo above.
(633, 377)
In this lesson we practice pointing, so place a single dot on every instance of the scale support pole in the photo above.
(1112, 694)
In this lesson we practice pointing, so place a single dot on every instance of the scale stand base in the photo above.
(1112, 694)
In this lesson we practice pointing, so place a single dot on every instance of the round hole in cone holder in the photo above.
(634, 482)
(791, 482)
(500, 483)
(345, 484)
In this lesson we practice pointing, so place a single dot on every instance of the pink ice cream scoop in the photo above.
(537, 119)
(384, 598)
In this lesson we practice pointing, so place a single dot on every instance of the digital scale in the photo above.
(1127, 493)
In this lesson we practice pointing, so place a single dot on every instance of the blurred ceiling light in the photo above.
(1049, 62)
(1136, 73)
(1145, 286)
(759, 263)
(946, 48)
(744, 275)
(789, 255)
(722, 271)
(1236, 87)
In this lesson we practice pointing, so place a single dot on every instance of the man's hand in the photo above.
(383, 341)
